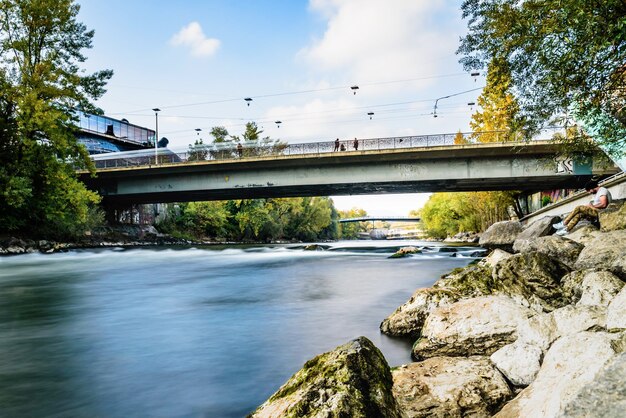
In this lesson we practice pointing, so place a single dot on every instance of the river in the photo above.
(191, 332)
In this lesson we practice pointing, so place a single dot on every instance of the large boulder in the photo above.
(574, 319)
(519, 362)
(541, 227)
(540, 331)
(613, 217)
(409, 318)
(599, 288)
(449, 387)
(616, 312)
(584, 234)
(353, 380)
(495, 257)
(605, 396)
(477, 326)
(532, 279)
(501, 235)
(555, 246)
(607, 252)
(571, 363)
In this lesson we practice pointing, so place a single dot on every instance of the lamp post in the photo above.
(156, 111)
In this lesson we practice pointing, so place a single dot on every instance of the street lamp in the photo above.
(156, 111)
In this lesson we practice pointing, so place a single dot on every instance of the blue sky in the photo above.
(197, 60)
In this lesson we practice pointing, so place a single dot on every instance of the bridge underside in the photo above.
(338, 189)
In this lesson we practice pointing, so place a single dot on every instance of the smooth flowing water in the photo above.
(196, 332)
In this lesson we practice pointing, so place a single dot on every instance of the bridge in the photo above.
(431, 163)
(378, 218)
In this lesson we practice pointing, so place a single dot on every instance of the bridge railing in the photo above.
(231, 150)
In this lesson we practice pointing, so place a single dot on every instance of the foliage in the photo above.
(306, 219)
(41, 88)
(446, 214)
(198, 151)
(496, 119)
(563, 56)
(351, 230)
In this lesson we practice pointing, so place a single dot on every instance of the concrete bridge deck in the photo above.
(531, 166)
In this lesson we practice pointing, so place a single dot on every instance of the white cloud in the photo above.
(193, 37)
(376, 41)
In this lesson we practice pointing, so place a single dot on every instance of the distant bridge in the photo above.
(378, 218)
(430, 163)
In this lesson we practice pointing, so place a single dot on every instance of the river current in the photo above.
(192, 332)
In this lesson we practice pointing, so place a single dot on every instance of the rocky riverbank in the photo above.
(536, 329)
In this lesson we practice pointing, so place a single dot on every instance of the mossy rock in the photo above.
(354, 380)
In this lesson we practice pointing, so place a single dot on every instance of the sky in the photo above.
(197, 60)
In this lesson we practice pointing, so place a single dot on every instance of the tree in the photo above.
(496, 118)
(42, 90)
(564, 57)
(351, 230)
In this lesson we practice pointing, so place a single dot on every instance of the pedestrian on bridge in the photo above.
(336, 145)
(240, 150)
(356, 144)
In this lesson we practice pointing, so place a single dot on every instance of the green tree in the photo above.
(42, 89)
(351, 230)
(565, 56)
(207, 219)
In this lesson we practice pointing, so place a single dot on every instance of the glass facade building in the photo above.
(102, 134)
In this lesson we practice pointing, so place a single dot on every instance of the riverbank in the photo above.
(536, 329)
(122, 236)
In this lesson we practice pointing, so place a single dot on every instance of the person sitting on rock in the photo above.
(602, 199)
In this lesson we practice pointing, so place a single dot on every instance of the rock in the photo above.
(541, 227)
(519, 362)
(405, 251)
(501, 235)
(613, 217)
(14, 250)
(532, 279)
(353, 380)
(313, 247)
(616, 312)
(449, 387)
(495, 257)
(471, 326)
(409, 318)
(569, 365)
(583, 234)
(471, 281)
(571, 285)
(599, 288)
(606, 252)
(604, 396)
(557, 247)
(574, 319)
(539, 330)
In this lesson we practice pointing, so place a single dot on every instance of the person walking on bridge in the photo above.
(336, 145)
(356, 144)
(602, 199)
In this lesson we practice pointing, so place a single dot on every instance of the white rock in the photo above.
(519, 362)
(449, 387)
(599, 288)
(574, 319)
(495, 257)
(570, 364)
(539, 330)
(616, 313)
(471, 326)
